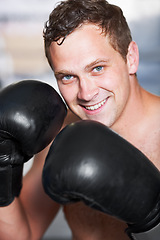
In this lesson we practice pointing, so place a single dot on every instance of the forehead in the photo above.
(81, 46)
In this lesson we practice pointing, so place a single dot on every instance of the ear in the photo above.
(132, 58)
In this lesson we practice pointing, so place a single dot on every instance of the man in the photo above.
(89, 47)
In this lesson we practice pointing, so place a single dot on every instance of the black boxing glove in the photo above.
(89, 162)
(31, 114)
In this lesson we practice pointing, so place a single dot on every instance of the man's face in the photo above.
(92, 77)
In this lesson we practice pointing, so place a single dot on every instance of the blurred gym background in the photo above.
(22, 53)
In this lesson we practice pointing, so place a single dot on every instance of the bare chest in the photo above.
(149, 143)
(89, 224)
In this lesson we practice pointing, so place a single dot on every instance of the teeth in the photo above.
(96, 106)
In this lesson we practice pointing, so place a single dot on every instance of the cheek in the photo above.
(114, 77)
(117, 82)
(122, 96)
(122, 90)
(68, 93)
(110, 82)
(119, 79)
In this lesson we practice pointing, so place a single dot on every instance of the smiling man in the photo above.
(89, 47)
(95, 84)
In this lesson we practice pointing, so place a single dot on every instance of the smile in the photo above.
(96, 106)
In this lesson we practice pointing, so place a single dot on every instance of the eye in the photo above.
(97, 69)
(67, 78)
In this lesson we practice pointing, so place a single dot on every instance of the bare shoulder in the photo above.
(154, 114)
(155, 103)
(150, 130)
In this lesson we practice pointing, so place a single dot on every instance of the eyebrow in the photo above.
(87, 68)
(96, 62)
(63, 73)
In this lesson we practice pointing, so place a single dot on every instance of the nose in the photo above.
(88, 90)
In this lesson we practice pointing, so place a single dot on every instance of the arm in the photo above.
(39, 216)
(31, 114)
(40, 210)
(31, 213)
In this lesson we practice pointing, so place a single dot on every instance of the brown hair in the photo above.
(70, 14)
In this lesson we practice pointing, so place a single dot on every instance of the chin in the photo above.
(106, 122)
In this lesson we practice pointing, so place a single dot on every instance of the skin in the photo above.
(88, 71)
(93, 76)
